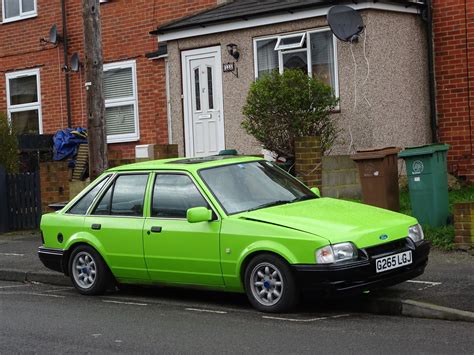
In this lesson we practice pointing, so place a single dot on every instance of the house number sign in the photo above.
(229, 67)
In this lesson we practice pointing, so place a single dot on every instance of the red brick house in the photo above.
(454, 69)
(33, 84)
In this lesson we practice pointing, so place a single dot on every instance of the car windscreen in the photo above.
(253, 185)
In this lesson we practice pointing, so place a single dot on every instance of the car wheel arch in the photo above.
(250, 256)
(74, 245)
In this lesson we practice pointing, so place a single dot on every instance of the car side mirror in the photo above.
(316, 191)
(198, 214)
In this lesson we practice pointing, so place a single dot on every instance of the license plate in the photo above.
(393, 261)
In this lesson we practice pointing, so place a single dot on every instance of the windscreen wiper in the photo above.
(270, 204)
(304, 198)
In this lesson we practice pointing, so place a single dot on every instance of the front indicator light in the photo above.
(416, 233)
(335, 253)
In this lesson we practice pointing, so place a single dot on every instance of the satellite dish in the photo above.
(53, 34)
(75, 62)
(345, 22)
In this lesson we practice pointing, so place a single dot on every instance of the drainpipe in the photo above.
(432, 79)
(66, 64)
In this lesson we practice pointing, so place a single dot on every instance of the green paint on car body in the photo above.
(213, 253)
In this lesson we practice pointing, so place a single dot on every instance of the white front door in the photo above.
(203, 117)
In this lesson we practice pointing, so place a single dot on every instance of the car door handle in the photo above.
(96, 226)
(156, 229)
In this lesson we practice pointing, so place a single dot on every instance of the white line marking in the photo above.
(428, 284)
(205, 310)
(59, 289)
(42, 294)
(11, 254)
(128, 303)
(305, 320)
(425, 282)
(14, 286)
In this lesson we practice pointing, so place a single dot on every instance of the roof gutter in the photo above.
(165, 35)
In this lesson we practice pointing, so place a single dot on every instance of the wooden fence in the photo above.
(20, 201)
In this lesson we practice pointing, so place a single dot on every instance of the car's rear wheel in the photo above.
(88, 271)
(270, 284)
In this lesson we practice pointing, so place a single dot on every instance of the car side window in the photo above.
(173, 195)
(81, 206)
(125, 197)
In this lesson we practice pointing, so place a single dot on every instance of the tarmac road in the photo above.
(50, 319)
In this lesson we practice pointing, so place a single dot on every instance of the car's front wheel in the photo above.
(88, 271)
(270, 284)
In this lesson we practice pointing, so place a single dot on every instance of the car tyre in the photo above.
(270, 284)
(88, 271)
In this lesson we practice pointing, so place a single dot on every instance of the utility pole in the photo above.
(97, 135)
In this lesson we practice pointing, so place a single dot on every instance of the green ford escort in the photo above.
(230, 223)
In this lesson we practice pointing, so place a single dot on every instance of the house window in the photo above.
(13, 10)
(24, 101)
(314, 52)
(121, 104)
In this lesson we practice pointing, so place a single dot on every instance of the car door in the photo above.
(177, 251)
(117, 223)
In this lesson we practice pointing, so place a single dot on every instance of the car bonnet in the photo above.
(337, 221)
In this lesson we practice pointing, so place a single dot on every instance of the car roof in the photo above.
(186, 164)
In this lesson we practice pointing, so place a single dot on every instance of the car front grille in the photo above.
(387, 247)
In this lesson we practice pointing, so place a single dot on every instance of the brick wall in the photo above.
(308, 158)
(454, 66)
(464, 225)
(54, 183)
(125, 29)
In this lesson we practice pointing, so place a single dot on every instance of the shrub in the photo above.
(8, 146)
(282, 107)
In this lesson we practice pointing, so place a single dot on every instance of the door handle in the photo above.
(156, 229)
(96, 227)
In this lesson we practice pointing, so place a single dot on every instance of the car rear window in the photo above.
(81, 206)
(124, 197)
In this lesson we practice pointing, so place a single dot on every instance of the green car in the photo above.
(231, 223)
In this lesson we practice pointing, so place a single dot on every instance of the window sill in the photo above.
(18, 18)
(118, 139)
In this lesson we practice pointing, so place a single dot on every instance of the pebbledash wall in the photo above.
(125, 30)
(396, 111)
(454, 67)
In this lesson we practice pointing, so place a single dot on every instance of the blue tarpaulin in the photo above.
(66, 142)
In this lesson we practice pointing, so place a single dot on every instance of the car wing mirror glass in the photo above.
(316, 191)
(198, 214)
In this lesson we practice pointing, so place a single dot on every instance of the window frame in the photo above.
(307, 37)
(89, 188)
(108, 185)
(215, 215)
(125, 101)
(28, 106)
(283, 47)
(22, 15)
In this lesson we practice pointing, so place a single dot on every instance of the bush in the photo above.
(282, 107)
(8, 146)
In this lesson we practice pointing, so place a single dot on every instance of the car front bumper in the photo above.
(360, 275)
(52, 258)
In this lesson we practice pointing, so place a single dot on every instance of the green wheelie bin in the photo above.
(428, 182)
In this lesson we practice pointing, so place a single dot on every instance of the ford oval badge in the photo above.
(383, 237)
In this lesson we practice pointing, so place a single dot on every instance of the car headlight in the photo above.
(416, 233)
(335, 253)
